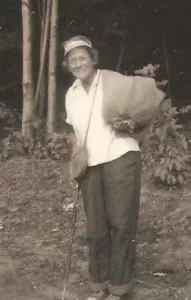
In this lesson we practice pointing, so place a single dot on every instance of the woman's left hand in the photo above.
(131, 129)
(127, 126)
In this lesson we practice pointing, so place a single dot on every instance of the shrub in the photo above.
(8, 118)
(166, 149)
(56, 146)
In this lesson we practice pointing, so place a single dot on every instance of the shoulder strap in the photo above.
(90, 115)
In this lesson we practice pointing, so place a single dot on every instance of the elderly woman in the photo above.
(111, 183)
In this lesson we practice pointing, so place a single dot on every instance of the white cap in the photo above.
(78, 43)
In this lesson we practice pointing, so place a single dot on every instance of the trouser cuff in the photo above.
(121, 290)
(98, 286)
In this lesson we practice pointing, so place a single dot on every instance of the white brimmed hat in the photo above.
(78, 41)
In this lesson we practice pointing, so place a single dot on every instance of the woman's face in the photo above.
(80, 63)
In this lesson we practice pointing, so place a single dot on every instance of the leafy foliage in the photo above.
(56, 146)
(8, 118)
(166, 148)
(148, 71)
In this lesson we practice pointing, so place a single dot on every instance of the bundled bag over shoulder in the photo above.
(125, 97)
(130, 97)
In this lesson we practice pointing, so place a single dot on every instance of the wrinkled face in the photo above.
(80, 63)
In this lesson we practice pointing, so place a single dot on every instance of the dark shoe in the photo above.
(101, 295)
(114, 297)
(125, 297)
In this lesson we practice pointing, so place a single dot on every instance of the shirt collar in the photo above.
(77, 82)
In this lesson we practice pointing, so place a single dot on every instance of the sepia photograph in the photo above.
(95, 150)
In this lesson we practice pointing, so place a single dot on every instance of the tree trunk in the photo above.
(121, 55)
(44, 50)
(42, 92)
(167, 65)
(28, 88)
(51, 120)
(122, 47)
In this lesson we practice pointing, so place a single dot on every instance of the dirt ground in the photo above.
(35, 230)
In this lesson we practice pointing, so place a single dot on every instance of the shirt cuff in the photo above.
(68, 121)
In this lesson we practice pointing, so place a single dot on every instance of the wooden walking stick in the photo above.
(71, 242)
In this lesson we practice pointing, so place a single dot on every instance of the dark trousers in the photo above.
(111, 196)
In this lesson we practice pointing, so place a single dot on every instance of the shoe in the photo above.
(114, 297)
(101, 295)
